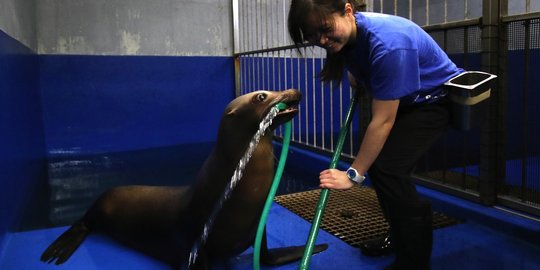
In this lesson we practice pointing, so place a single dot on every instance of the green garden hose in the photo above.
(272, 192)
(323, 198)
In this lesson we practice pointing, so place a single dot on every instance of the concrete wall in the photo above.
(135, 27)
(18, 19)
(117, 27)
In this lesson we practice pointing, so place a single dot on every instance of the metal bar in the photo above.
(521, 17)
(351, 148)
(260, 77)
(525, 111)
(306, 89)
(300, 113)
(285, 73)
(313, 105)
(268, 72)
(297, 121)
(274, 77)
(410, 9)
(256, 80)
(284, 20)
(492, 161)
(519, 206)
(279, 79)
(250, 25)
(452, 25)
(237, 76)
(257, 25)
(281, 48)
(275, 29)
(236, 26)
(331, 116)
(323, 127)
(340, 103)
(267, 41)
(427, 12)
(252, 71)
(466, 139)
(445, 48)
(236, 45)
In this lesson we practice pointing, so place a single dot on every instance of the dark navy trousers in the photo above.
(415, 129)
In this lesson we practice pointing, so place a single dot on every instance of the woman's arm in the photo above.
(383, 117)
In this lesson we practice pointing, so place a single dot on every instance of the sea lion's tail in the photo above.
(63, 247)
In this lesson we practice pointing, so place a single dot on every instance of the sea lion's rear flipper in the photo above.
(283, 255)
(64, 246)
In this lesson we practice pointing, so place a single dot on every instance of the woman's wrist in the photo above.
(355, 176)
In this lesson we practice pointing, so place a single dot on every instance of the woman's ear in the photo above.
(349, 8)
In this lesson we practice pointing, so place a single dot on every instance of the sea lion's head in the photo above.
(247, 111)
(254, 106)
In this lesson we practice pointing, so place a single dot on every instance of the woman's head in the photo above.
(329, 24)
(326, 23)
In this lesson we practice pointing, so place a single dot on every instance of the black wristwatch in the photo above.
(354, 176)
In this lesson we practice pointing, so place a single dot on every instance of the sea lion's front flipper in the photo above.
(283, 255)
(64, 246)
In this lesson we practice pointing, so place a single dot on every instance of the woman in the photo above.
(403, 70)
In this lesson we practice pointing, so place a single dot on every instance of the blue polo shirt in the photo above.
(396, 59)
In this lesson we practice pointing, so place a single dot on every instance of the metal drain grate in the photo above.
(352, 215)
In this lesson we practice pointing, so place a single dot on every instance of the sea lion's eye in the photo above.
(260, 97)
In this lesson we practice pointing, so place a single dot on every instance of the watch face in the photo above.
(351, 174)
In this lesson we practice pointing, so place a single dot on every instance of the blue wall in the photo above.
(100, 104)
(122, 120)
(22, 146)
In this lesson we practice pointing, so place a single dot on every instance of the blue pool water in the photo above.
(75, 181)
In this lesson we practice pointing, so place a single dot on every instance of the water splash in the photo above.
(237, 175)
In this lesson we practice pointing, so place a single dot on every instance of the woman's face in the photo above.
(332, 36)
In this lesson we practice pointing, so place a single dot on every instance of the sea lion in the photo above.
(165, 221)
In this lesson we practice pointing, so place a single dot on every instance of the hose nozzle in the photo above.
(281, 106)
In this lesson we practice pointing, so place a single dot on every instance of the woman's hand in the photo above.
(334, 179)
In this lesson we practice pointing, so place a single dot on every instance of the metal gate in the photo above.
(498, 164)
